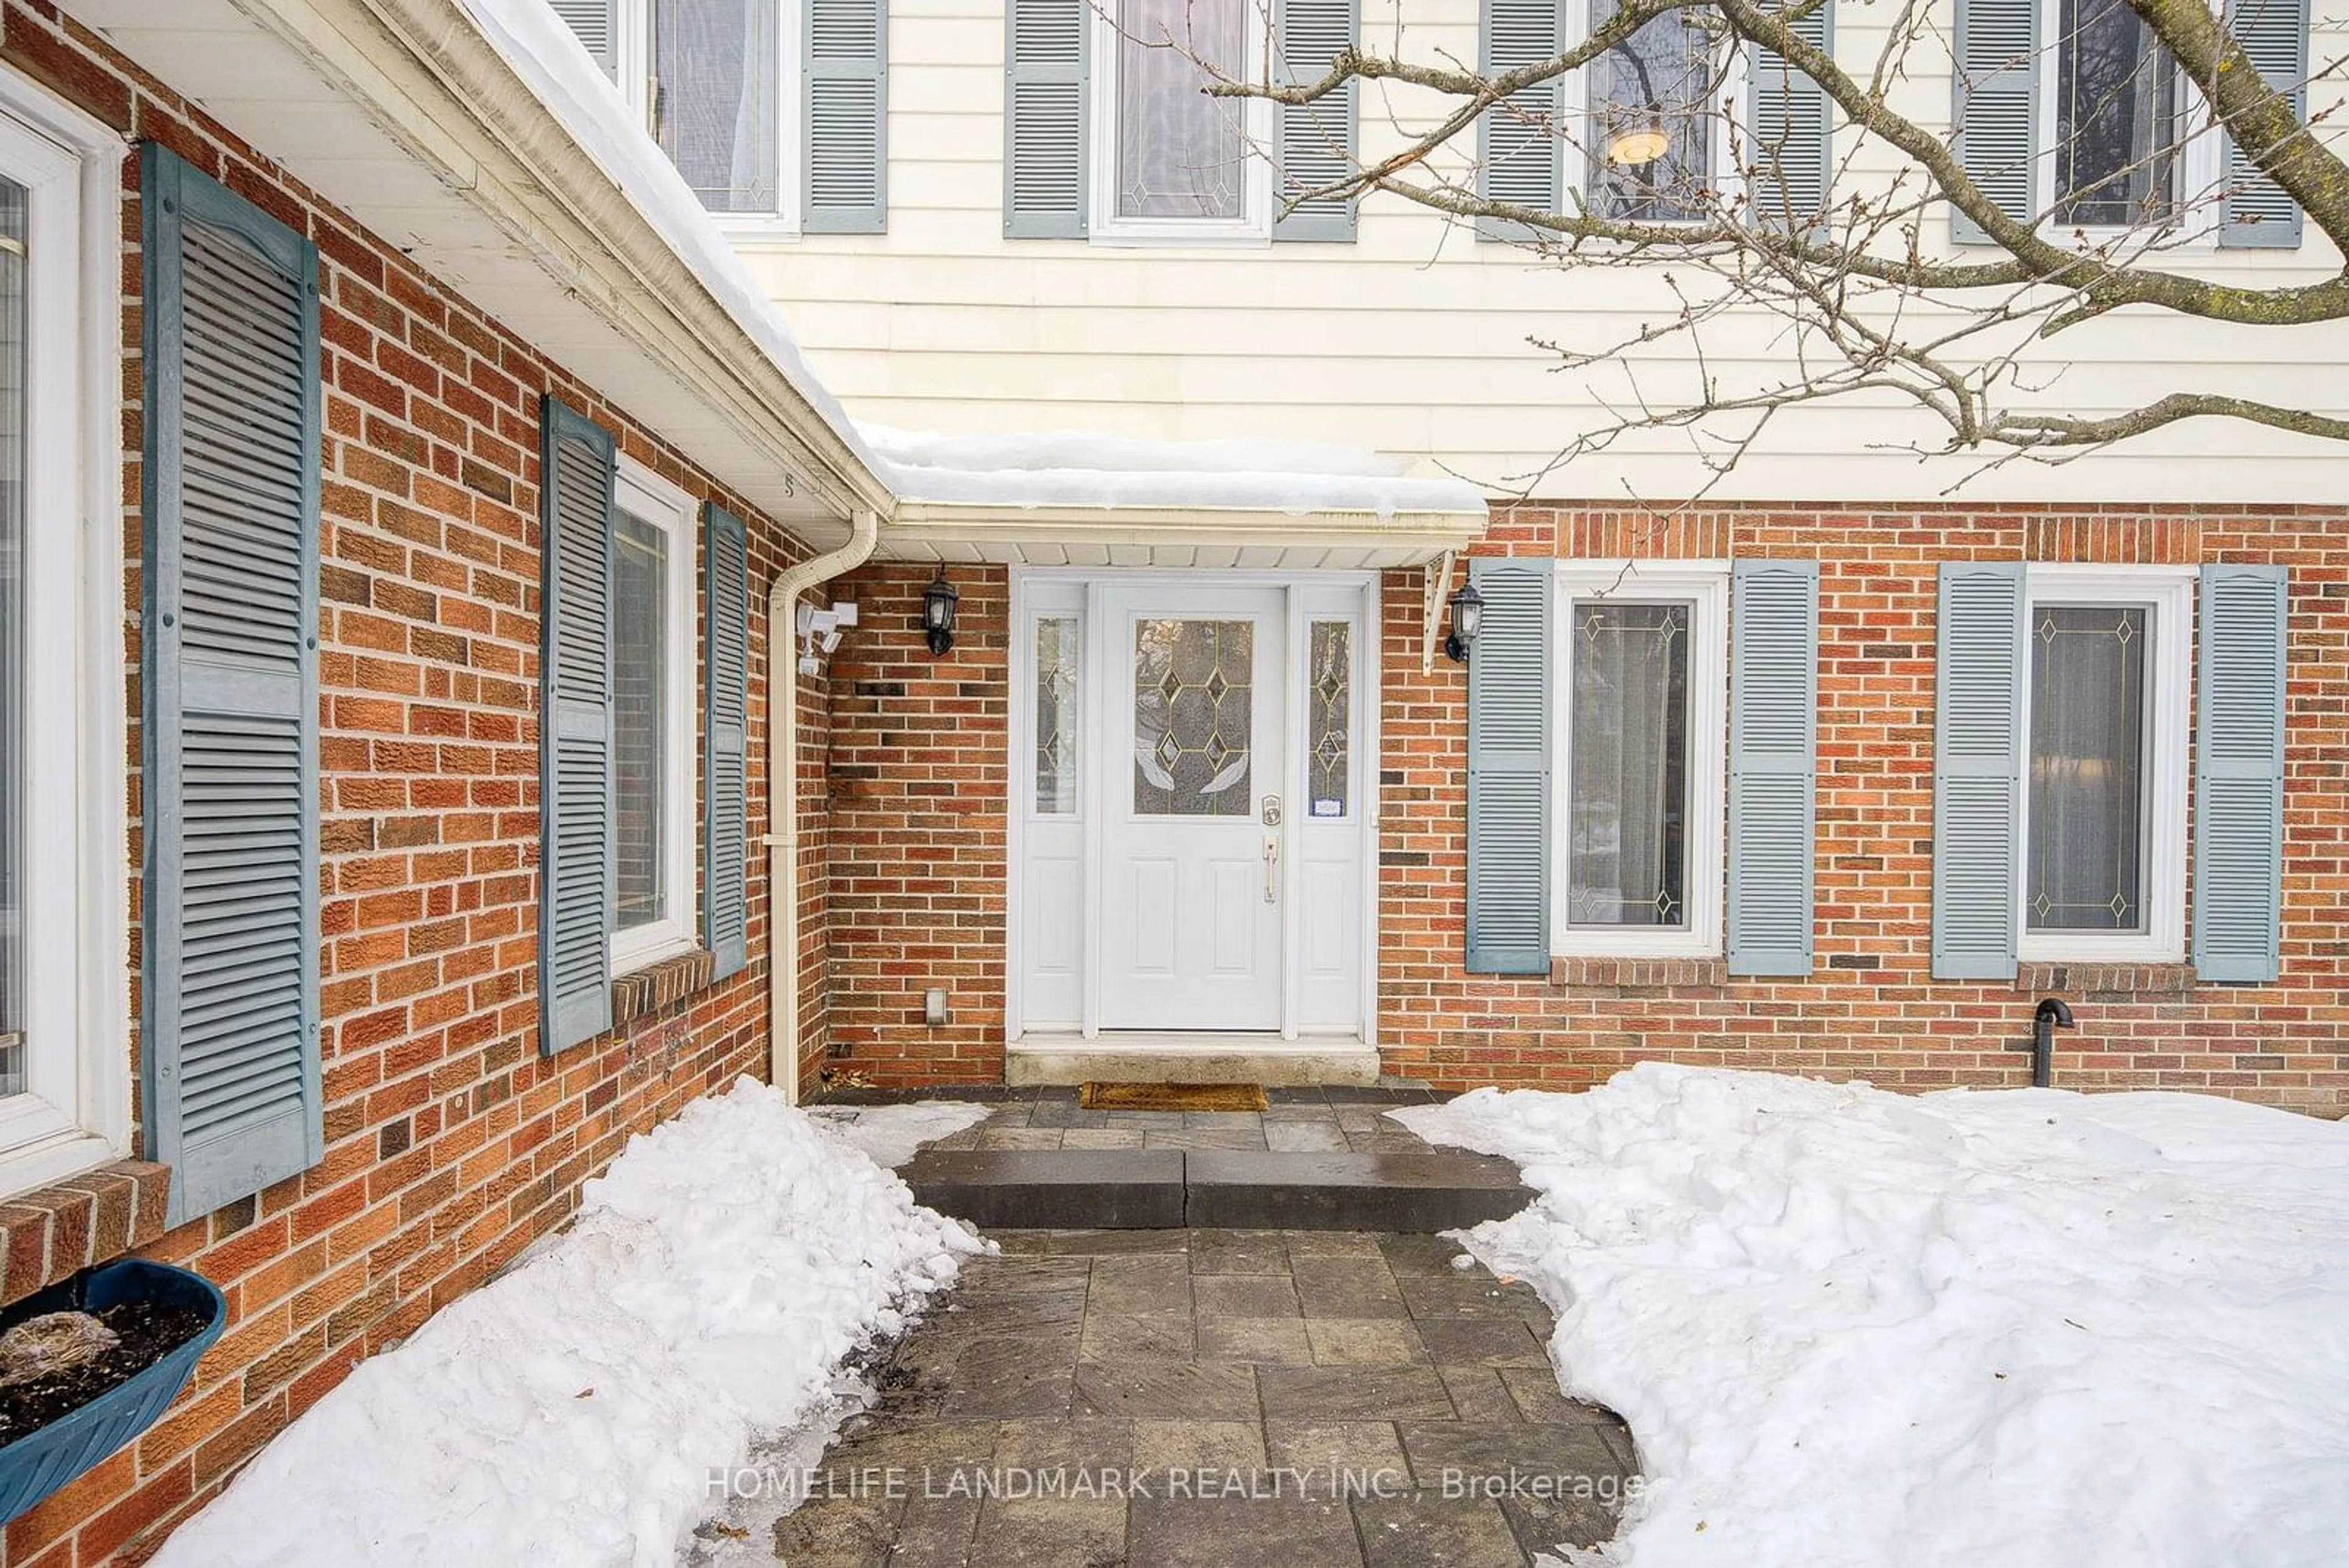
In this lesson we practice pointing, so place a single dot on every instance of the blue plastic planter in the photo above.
(40, 1461)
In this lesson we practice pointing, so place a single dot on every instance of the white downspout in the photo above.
(783, 835)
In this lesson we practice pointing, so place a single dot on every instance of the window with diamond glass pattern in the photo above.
(1180, 153)
(2087, 768)
(1056, 716)
(1329, 730)
(1193, 711)
(1628, 804)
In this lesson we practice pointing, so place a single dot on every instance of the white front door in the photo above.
(1191, 778)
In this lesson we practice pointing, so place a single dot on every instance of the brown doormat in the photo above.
(1171, 1098)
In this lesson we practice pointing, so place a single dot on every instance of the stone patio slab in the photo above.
(1353, 1393)
(1161, 1390)
(1224, 1532)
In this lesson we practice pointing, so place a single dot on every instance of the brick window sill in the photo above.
(641, 993)
(1638, 972)
(58, 1231)
(2107, 979)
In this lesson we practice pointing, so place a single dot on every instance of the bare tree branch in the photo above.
(1865, 307)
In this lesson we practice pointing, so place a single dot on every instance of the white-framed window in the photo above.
(2117, 100)
(1640, 747)
(1655, 140)
(64, 918)
(2115, 116)
(718, 83)
(652, 719)
(2106, 702)
(1169, 161)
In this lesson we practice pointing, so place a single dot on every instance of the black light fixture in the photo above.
(1467, 616)
(938, 601)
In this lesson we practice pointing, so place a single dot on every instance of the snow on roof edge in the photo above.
(549, 60)
(1072, 468)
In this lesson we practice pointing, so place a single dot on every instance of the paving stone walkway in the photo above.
(1240, 1399)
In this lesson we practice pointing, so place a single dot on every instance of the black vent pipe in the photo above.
(2053, 1013)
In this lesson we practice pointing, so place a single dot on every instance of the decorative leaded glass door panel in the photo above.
(1193, 881)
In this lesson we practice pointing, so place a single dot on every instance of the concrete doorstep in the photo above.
(1391, 1190)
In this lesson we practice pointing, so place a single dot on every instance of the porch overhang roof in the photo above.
(1084, 499)
(1188, 537)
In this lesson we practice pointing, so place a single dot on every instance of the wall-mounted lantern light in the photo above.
(1467, 617)
(938, 601)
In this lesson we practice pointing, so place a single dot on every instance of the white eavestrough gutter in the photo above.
(783, 835)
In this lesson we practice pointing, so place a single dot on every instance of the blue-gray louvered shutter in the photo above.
(597, 24)
(229, 738)
(1977, 770)
(1995, 108)
(1518, 157)
(2255, 212)
(579, 876)
(1774, 700)
(725, 740)
(1508, 770)
(847, 118)
(1316, 141)
(1790, 131)
(1044, 88)
(2239, 776)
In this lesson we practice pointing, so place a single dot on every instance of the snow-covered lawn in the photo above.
(571, 1413)
(1999, 1329)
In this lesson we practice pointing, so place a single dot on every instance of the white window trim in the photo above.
(76, 1112)
(2199, 176)
(1704, 587)
(2168, 593)
(1252, 228)
(1578, 158)
(634, 53)
(672, 511)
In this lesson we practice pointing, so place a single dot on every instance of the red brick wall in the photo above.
(916, 836)
(919, 794)
(1872, 1009)
(450, 1144)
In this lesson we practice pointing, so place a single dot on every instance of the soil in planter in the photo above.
(147, 1331)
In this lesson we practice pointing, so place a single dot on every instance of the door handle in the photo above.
(1272, 868)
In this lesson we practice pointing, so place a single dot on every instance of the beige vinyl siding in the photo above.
(1415, 338)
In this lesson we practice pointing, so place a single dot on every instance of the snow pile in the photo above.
(573, 1412)
(2024, 1328)
(1078, 469)
(889, 1134)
